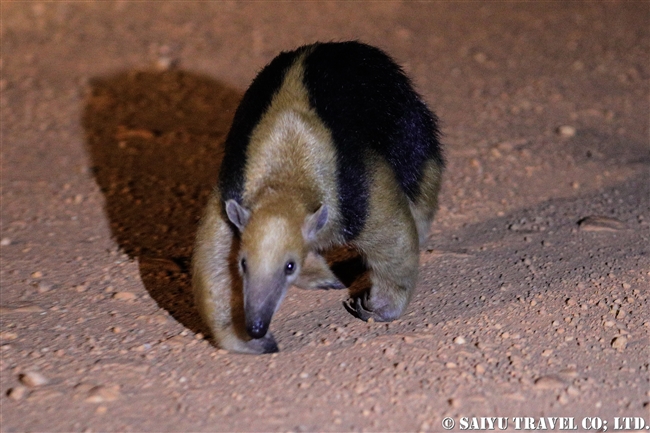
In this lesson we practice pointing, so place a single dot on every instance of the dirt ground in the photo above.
(534, 292)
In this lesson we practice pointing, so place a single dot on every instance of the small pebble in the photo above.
(33, 379)
(595, 223)
(124, 296)
(124, 133)
(17, 392)
(101, 394)
(460, 340)
(37, 274)
(566, 131)
(568, 373)
(480, 57)
(548, 382)
(5, 242)
(44, 287)
(570, 302)
(389, 352)
(620, 342)
(176, 342)
(573, 391)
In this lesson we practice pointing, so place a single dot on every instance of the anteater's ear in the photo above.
(237, 214)
(314, 222)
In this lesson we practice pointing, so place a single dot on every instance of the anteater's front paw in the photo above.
(362, 308)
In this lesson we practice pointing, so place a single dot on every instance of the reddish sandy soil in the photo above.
(113, 118)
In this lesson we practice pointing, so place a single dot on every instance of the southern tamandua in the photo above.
(330, 145)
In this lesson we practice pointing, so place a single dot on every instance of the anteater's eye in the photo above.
(290, 267)
(243, 265)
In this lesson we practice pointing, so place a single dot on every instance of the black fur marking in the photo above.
(252, 107)
(369, 104)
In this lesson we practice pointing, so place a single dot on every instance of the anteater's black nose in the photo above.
(257, 328)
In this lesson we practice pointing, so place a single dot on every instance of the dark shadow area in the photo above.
(155, 141)
(348, 269)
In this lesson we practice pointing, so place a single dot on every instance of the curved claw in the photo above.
(357, 309)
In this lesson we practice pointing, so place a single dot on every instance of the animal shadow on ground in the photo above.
(155, 140)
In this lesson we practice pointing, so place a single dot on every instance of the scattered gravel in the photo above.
(532, 297)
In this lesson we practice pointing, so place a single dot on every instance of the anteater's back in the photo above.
(367, 104)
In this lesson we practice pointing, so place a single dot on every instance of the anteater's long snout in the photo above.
(259, 307)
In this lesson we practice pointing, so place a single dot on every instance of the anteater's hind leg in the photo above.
(389, 245)
(426, 203)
